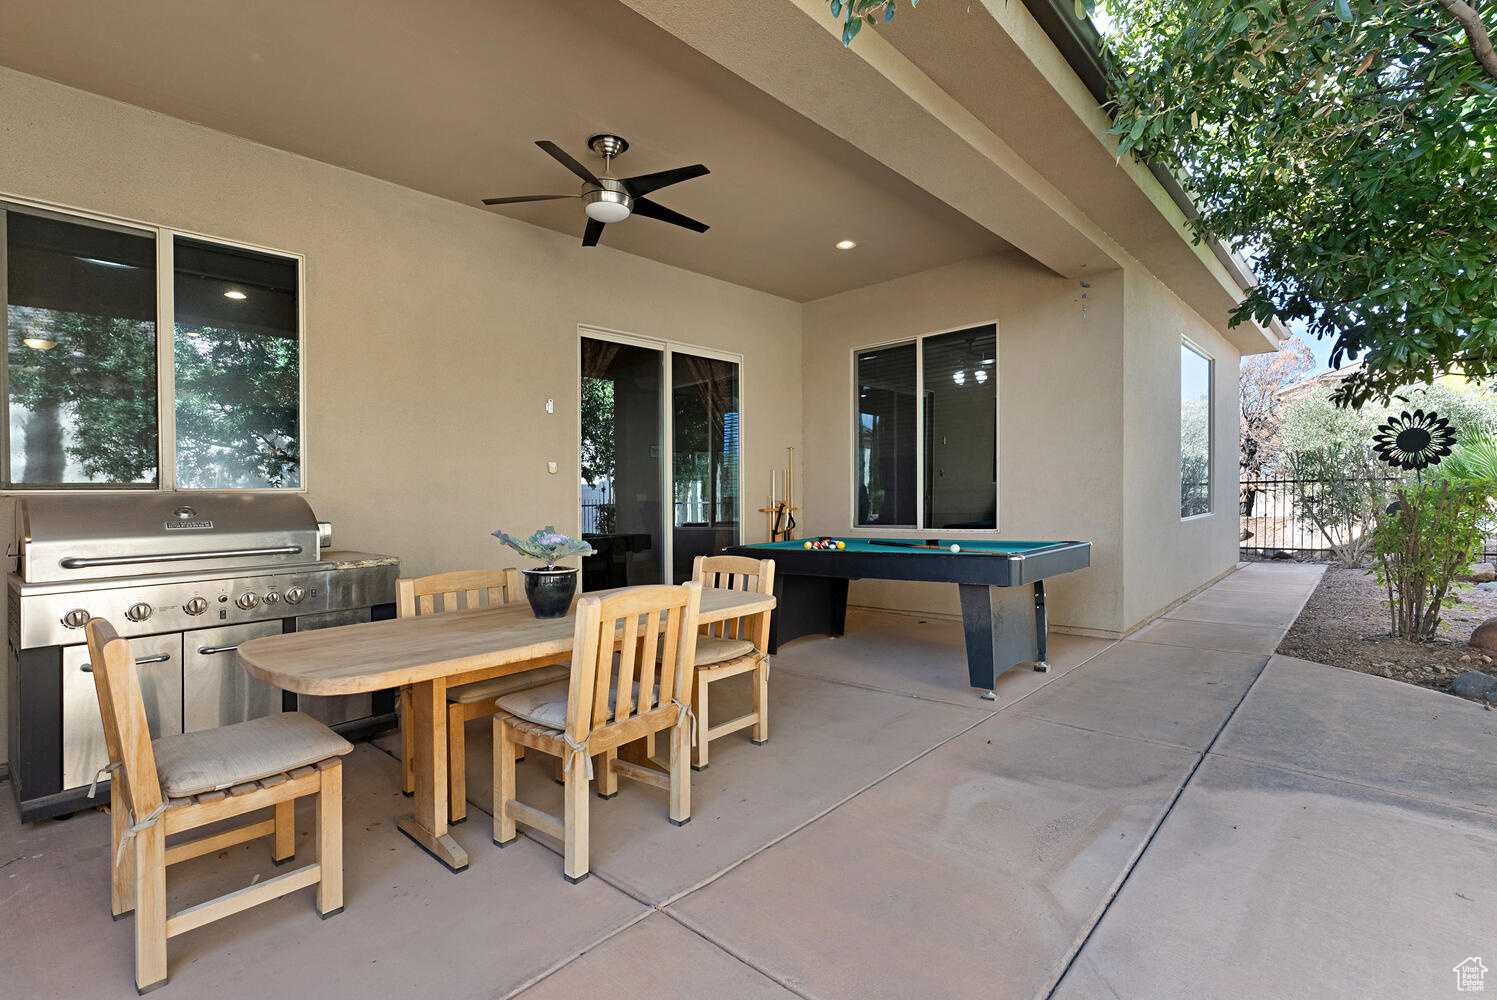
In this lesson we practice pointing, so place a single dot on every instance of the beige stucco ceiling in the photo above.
(448, 96)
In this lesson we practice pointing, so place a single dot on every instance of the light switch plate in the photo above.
(551, 468)
(550, 408)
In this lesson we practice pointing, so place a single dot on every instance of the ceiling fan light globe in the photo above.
(606, 206)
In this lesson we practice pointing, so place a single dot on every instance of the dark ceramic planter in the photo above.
(550, 591)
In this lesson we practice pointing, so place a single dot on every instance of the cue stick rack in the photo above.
(781, 509)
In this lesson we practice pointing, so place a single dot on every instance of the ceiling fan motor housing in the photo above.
(608, 202)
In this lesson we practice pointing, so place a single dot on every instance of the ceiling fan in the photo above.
(613, 199)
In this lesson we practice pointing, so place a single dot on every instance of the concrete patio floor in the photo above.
(1179, 814)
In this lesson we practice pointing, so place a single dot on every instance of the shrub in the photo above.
(1340, 491)
(1423, 540)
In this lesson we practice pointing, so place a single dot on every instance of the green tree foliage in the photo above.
(237, 401)
(1347, 148)
(855, 13)
(237, 409)
(598, 459)
(102, 370)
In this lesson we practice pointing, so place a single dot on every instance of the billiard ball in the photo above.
(806, 546)
(841, 545)
(955, 547)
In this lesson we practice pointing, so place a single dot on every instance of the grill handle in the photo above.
(210, 650)
(88, 668)
(80, 562)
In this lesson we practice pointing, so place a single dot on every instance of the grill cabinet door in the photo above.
(217, 690)
(159, 664)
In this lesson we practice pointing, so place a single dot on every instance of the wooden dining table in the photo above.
(432, 653)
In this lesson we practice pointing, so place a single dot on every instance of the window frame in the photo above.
(166, 380)
(918, 340)
(1200, 352)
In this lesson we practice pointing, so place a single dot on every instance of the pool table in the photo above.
(1002, 588)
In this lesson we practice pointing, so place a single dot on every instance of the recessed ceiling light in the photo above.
(235, 294)
(845, 244)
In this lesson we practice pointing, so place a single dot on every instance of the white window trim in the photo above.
(1210, 360)
(874, 531)
(668, 349)
(166, 424)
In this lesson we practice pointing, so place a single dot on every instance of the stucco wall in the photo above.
(1060, 427)
(434, 332)
(1167, 557)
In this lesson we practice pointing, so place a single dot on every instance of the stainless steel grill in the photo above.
(187, 577)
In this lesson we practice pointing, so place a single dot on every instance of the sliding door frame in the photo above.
(667, 348)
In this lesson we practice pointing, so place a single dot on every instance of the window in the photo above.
(951, 437)
(1195, 432)
(99, 397)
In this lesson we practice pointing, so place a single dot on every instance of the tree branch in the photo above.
(1476, 34)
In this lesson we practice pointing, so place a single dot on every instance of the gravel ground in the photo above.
(1345, 624)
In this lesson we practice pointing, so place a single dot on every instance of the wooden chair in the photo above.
(186, 781)
(595, 712)
(462, 590)
(732, 647)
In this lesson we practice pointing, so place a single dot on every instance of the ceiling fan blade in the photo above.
(645, 183)
(561, 157)
(525, 197)
(654, 210)
(593, 231)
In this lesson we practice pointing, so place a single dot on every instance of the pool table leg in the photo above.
(1001, 625)
(807, 605)
(1041, 629)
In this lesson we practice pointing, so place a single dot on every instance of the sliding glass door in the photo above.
(704, 418)
(639, 442)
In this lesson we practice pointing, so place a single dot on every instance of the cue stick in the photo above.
(938, 547)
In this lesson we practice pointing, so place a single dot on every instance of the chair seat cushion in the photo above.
(212, 759)
(547, 705)
(712, 650)
(467, 694)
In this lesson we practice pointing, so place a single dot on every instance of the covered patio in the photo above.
(1177, 814)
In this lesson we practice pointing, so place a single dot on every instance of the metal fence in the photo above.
(1271, 522)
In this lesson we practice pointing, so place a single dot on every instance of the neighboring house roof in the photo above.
(1330, 379)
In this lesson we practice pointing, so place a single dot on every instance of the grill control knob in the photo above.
(196, 606)
(295, 595)
(271, 597)
(77, 618)
(138, 612)
(247, 601)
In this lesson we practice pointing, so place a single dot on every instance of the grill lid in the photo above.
(91, 537)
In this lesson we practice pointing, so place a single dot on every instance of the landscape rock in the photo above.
(1484, 637)
(1483, 572)
(1472, 684)
(1486, 586)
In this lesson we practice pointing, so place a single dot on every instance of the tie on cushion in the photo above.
(213, 759)
(467, 694)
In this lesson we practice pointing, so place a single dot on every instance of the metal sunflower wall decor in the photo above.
(1415, 441)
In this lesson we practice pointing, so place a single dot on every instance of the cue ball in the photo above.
(955, 547)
